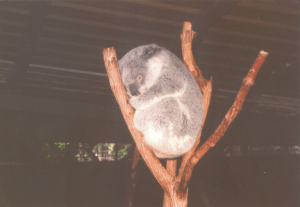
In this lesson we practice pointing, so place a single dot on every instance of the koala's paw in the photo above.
(135, 103)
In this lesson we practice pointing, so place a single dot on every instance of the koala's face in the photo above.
(134, 80)
(139, 69)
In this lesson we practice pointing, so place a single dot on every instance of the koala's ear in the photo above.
(155, 65)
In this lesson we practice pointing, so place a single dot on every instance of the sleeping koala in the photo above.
(166, 97)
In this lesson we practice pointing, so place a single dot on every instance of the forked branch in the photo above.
(176, 187)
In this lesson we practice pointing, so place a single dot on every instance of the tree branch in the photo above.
(205, 85)
(248, 81)
(159, 172)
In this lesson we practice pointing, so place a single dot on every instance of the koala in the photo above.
(166, 98)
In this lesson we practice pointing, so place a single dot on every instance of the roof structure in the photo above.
(51, 59)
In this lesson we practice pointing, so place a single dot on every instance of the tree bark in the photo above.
(205, 85)
(159, 172)
(248, 81)
(171, 168)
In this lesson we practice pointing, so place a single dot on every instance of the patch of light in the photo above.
(68, 70)
(227, 91)
(281, 97)
(7, 62)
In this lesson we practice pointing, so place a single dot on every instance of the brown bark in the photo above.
(205, 85)
(229, 117)
(159, 172)
(175, 187)
(171, 168)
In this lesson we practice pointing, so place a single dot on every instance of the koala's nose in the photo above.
(133, 90)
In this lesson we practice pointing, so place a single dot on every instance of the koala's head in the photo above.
(139, 68)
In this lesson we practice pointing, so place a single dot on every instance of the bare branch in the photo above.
(159, 172)
(229, 117)
(187, 37)
(205, 86)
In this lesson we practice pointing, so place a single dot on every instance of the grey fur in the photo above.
(167, 99)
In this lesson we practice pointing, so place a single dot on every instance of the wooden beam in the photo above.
(252, 36)
(110, 26)
(70, 43)
(115, 13)
(93, 36)
(13, 23)
(11, 34)
(167, 6)
(13, 10)
(35, 23)
(95, 57)
(57, 107)
(212, 13)
(269, 7)
(64, 61)
(261, 22)
(248, 48)
(222, 55)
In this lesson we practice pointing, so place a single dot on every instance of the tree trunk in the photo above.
(179, 199)
(174, 197)
(171, 167)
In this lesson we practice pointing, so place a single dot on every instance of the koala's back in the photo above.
(172, 119)
(187, 108)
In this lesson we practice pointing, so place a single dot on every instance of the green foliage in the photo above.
(54, 152)
(61, 145)
(106, 151)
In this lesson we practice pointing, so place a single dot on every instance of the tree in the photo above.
(176, 186)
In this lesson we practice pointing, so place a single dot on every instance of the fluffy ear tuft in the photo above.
(155, 65)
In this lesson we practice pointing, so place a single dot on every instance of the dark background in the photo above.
(54, 89)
